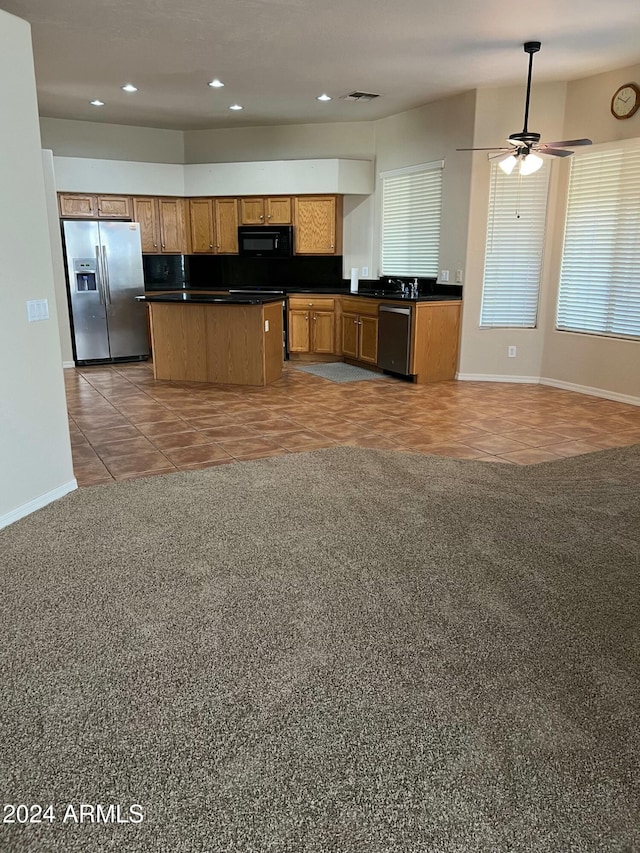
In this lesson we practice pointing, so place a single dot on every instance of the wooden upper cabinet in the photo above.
(114, 206)
(270, 210)
(252, 211)
(201, 225)
(145, 211)
(94, 206)
(225, 211)
(277, 210)
(162, 224)
(213, 225)
(318, 225)
(173, 237)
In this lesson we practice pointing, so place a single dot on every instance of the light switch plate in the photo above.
(365, 272)
(444, 275)
(37, 309)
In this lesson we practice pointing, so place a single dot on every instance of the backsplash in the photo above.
(232, 271)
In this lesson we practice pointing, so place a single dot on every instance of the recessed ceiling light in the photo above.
(323, 98)
(216, 84)
(129, 87)
(97, 103)
(236, 107)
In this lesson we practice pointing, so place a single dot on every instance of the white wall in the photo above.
(87, 174)
(589, 362)
(57, 259)
(271, 177)
(500, 112)
(424, 135)
(99, 140)
(353, 140)
(35, 454)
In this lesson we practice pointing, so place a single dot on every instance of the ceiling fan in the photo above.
(524, 145)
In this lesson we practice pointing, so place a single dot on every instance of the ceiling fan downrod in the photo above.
(525, 137)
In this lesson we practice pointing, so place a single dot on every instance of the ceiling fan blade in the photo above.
(567, 143)
(555, 152)
(495, 148)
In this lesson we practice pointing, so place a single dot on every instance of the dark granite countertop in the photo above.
(192, 296)
(401, 297)
(257, 296)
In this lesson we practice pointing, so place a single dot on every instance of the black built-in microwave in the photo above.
(265, 241)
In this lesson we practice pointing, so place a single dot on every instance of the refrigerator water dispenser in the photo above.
(85, 274)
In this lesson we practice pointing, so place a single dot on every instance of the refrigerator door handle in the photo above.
(105, 267)
(99, 277)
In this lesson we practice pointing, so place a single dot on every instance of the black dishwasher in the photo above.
(394, 338)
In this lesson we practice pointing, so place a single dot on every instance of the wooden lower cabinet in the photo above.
(233, 344)
(435, 339)
(311, 325)
(360, 329)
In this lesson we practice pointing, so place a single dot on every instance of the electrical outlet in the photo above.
(365, 272)
(512, 352)
(458, 276)
(444, 275)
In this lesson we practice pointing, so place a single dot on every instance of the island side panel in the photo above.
(178, 341)
(435, 338)
(235, 344)
(273, 341)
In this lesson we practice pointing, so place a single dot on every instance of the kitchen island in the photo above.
(221, 338)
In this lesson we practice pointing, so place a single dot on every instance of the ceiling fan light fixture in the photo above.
(508, 164)
(530, 164)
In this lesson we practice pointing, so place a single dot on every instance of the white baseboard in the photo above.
(37, 503)
(593, 392)
(554, 383)
(67, 364)
(484, 377)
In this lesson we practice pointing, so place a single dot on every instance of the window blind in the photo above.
(514, 248)
(600, 273)
(411, 214)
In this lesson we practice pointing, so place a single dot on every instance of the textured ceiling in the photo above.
(276, 56)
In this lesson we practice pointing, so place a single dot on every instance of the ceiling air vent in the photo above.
(359, 96)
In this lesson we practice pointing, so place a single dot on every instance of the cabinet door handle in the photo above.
(262, 216)
(314, 318)
(211, 245)
(163, 245)
(306, 317)
(155, 245)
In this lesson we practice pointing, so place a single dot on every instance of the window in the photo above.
(600, 274)
(411, 213)
(515, 243)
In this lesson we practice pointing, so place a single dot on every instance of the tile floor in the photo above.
(124, 424)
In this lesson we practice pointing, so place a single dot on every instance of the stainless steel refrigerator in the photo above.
(104, 275)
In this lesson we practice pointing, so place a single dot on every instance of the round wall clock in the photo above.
(625, 101)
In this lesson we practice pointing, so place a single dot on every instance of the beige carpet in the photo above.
(338, 651)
